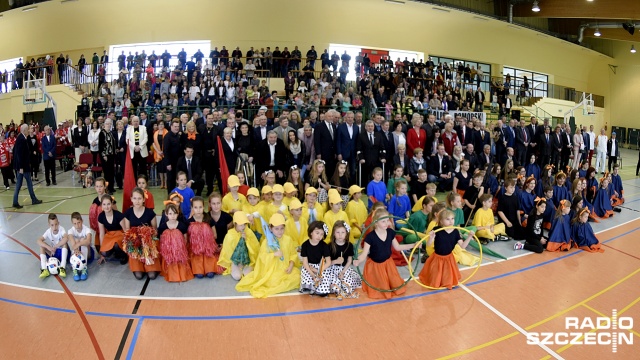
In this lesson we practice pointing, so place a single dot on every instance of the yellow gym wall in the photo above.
(95, 24)
(626, 92)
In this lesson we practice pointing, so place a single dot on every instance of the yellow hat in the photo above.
(253, 191)
(276, 220)
(354, 189)
(334, 199)
(266, 189)
(295, 204)
(239, 217)
(289, 188)
(233, 181)
(418, 205)
(311, 190)
(332, 192)
(278, 188)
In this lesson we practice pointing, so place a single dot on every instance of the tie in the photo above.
(482, 135)
(371, 138)
(330, 129)
(189, 169)
(547, 136)
(524, 133)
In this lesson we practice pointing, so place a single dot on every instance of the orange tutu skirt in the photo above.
(137, 265)
(202, 264)
(176, 272)
(383, 276)
(110, 239)
(440, 271)
(557, 246)
(396, 255)
(460, 192)
(94, 211)
(617, 201)
(593, 248)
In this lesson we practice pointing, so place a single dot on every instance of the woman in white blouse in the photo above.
(398, 136)
(93, 140)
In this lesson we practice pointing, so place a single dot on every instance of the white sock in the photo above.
(65, 254)
(43, 261)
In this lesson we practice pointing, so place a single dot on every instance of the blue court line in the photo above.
(15, 252)
(307, 312)
(134, 339)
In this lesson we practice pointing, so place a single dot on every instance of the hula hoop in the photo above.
(356, 250)
(426, 238)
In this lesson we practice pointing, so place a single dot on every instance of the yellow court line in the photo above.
(495, 341)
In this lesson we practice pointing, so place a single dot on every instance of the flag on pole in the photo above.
(224, 169)
(129, 181)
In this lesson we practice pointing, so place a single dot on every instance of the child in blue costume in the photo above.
(550, 211)
(560, 233)
(616, 187)
(527, 197)
(560, 191)
(532, 168)
(376, 188)
(582, 233)
(602, 202)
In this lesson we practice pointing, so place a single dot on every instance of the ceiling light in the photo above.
(398, 2)
(633, 49)
(30, 8)
(535, 7)
(597, 32)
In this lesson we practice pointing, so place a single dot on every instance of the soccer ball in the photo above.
(52, 264)
(78, 262)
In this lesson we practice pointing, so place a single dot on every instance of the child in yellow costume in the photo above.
(335, 213)
(312, 210)
(296, 226)
(357, 213)
(462, 256)
(239, 249)
(275, 270)
(485, 223)
(233, 201)
(252, 208)
(290, 193)
(276, 206)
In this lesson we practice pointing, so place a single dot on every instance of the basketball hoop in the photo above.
(29, 103)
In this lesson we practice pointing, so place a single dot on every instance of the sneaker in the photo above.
(211, 275)
(518, 246)
(617, 209)
(44, 273)
(124, 260)
(36, 202)
(62, 272)
(84, 275)
(76, 275)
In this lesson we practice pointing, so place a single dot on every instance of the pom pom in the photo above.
(202, 240)
(140, 242)
(94, 211)
(173, 247)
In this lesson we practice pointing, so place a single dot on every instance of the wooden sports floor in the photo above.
(114, 316)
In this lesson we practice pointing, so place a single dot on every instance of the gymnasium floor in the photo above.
(112, 315)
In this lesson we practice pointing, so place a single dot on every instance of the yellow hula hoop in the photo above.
(425, 239)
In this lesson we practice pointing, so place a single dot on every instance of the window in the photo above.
(485, 79)
(354, 51)
(190, 47)
(9, 66)
(538, 83)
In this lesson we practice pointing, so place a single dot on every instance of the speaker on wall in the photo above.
(515, 114)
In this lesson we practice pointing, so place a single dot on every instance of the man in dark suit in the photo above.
(522, 142)
(545, 147)
(511, 134)
(465, 133)
(262, 128)
(210, 162)
(389, 147)
(346, 142)
(49, 155)
(567, 147)
(469, 154)
(479, 100)
(271, 154)
(500, 138)
(485, 158)
(369, 150)
(192, 167)
(324, 141)
(481, 138)
(171, 149)
(556, 147)
(440, 171)
(22, 166)
(613, 150)
(509, 155)
(534, 138)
